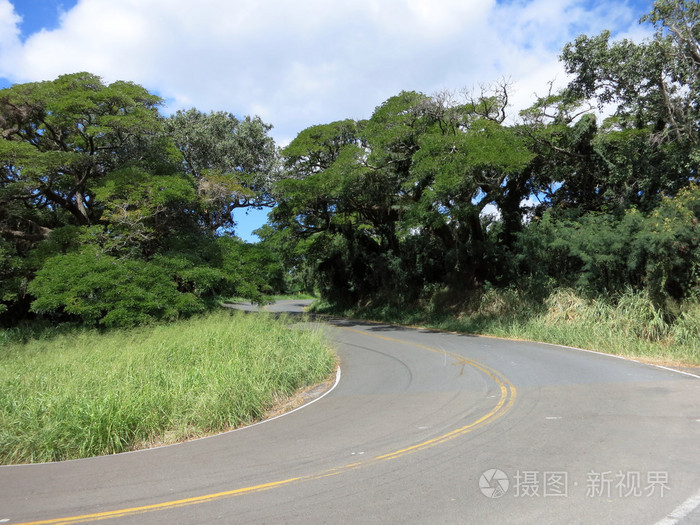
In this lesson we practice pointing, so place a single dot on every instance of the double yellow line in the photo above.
(504, 404)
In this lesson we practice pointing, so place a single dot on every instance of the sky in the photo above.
(298, 63)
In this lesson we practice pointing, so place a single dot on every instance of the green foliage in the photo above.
(108, 212)
(671, 242)
(366, 197)
(60, 137)
(431, 196)
(233, 162)
(78, 280)
(294, 257)
(253, 271)
(11, 278)
(655, 85)
(595, 254)
(606, 254)
(316, 148)
(141, 209)
(84, 393)
(99, 289)
(193, 276)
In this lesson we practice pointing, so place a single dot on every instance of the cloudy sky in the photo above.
(297, 63)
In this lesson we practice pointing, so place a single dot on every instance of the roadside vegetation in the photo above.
(559, 223)
(632, 326)
(113, 215)
(83, 393)
(562, 223)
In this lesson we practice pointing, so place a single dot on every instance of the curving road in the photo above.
(422, 427)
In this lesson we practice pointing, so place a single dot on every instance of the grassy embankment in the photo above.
(630, 326)
(85, 393)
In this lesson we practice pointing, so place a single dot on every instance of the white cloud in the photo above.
(9, 28)
(309, 61)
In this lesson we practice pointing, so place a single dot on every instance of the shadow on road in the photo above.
(296, 310)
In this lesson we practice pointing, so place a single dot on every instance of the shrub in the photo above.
(99, 289)
(605, 254)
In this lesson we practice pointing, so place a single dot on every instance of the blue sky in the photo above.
(303, 62)
(40, 14)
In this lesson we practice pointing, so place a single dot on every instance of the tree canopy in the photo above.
(445, 193)
(233, 162)
(112, 214)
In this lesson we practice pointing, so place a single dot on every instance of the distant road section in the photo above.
(423, 427)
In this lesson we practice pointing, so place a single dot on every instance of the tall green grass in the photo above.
(630, 325)
(84, 393)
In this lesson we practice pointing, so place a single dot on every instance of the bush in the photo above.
(99, 289)
(671, 243)
(10, 276)
(605, 254)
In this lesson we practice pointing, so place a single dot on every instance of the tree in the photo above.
(233, 163)
(59, 141)
(98, 289)
(394, 203)
(655, 86)
(317, 205)
(61, 137)
(254, 271)
(467, 160)
(606, 254)
(109, 214)
(141, 210)
(677, 24)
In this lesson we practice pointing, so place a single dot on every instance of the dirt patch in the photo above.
(681, 367)
(302, 397)
(695, 370)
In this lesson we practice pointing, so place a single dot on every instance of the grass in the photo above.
(631, 326)
(84, 393)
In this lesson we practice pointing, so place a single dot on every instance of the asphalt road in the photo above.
(422, 427)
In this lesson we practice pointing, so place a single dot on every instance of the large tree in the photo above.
(59, 142)
(99, 194)
(60, 138)
(653, 138)
(396, 202)
(232, 161)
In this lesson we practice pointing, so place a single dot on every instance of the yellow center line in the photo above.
(504, 404)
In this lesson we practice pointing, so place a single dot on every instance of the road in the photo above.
(422, 427)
